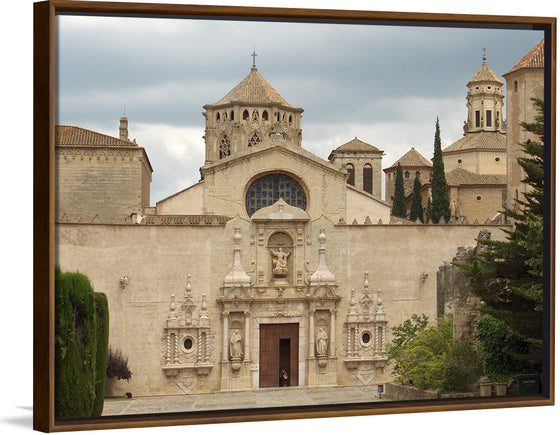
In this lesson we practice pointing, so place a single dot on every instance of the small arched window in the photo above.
(217, 116)
(290, 120)
(245, 115)
(225, 147)
(255, 115)
(406, 174)
(231, 116)
(515, 86)
(417, 175)
(351, 176)
(368, 178)
(265, 116)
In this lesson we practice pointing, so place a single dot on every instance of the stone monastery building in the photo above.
(276, 259)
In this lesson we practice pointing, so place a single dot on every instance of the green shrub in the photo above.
(76, 345)
(102, 309)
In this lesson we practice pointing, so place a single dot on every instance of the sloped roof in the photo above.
(78, 136)
(481, 140)
(412, 158)
(462, 177)
(254, 89)
(485, 74)
(533, 59)
(358, 145)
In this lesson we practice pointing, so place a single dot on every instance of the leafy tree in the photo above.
(429, 357)
(416, 209)
(499, 347)
(440, 191)
(117, 365)
(399, 204)
(508, 275)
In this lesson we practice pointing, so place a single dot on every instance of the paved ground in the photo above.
(264, 398)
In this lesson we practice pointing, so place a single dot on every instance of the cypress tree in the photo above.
(399, 205)
(429, 210)
(440, 191)
(416, 210)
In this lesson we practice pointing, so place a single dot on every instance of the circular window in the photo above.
(188, 344)
(267, 190)
(459, 161)
(479, 198)
(366, 338)
(497, 159)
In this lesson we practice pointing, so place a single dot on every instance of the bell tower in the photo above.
(485, 102)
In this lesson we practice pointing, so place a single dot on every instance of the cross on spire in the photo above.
(484, 56)
(254, 55)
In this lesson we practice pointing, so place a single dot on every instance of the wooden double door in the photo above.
(279, 344)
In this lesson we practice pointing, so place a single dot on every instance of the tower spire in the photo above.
(254, 55)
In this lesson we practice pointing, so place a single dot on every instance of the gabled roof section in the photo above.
(479, 141)
(485, 74)
(411, 159)
(458, 177)
(77, 136)
(532, 60)
(254, 89)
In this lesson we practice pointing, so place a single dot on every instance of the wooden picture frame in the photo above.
(44, 212)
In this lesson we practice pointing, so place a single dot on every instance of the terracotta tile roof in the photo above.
(479, 140)
(412, 158)
(533, 59)
(358, 145)
(254, 89)
(462, 177)
(77, 136)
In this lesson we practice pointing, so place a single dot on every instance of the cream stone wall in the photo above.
(189, 201)
(225, 183)
(105, 181)
(155, 259)
(479, 162)
(360, 206)
(522, 85)
(478, 202)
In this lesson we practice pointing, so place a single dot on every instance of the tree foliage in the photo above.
(440, 191)
(117, 365)
(399, 204)
(79, 337)
(416, 209)
(508, 275)
(429, 357)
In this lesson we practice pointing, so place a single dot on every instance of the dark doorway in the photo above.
(278, 355)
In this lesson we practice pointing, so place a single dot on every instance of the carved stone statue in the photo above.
(235, 350)
(280, 262)
(321, 342)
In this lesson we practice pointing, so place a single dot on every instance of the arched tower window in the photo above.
(417, 175)
(255, 115)
(231, 116)
(406, 174)
(225, 147)
(245, 115)
(351, 175)
(217, 116)
(254, 140)
(270, 188)
(368, 178)
(265, 116)
(290, 119)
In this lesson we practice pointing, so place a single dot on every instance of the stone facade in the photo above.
(272, 270)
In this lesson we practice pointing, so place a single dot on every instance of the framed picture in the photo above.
(360, 222)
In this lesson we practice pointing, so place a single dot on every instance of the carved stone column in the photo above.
(312, 333)
(333, 331)
(247, 337)
(225, 341)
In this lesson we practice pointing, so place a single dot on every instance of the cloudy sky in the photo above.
(384, 84)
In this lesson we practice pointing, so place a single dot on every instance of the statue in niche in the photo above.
(280, 262)
(321, 342)
(235, 351)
